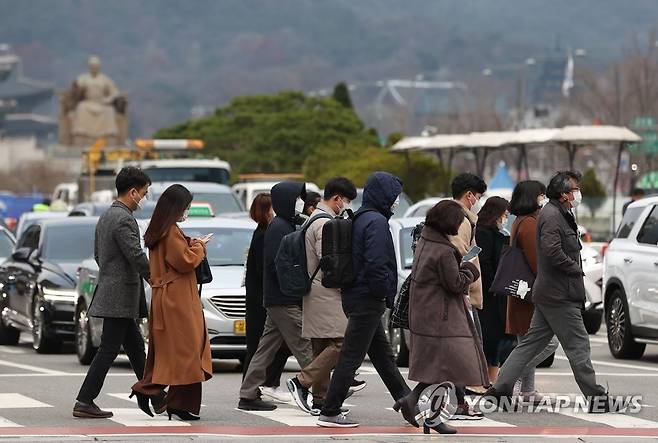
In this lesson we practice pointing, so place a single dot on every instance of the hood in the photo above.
(380, 192)
(284, 195)
(226, 277)
(65, 270)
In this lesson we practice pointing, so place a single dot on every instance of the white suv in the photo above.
(630, 281)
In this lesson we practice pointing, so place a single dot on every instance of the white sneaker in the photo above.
(281, 395)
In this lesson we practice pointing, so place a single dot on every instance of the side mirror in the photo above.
(21, 254)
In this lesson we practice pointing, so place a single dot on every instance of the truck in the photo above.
(162, 159)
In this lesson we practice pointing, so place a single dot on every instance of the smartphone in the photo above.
(208, 236)
(472, 253)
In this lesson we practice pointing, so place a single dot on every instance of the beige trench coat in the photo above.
(322, 316)
(463, 241)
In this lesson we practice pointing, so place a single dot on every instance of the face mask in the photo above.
(542, 202)
(502, 223)
(577, 199)
(140, 203)
(395, 204)
(299, 206)
(345, 207)
(186, 214)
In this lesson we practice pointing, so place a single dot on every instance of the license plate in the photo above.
(239, 327)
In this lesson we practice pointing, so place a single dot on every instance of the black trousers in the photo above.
(116, 332)
(255, 319)
(364, 335)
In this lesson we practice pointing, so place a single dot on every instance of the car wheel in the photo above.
(618, 324)
(83, 344)
(41, 342)
(548, 362)
(593, 320)
(8, 335)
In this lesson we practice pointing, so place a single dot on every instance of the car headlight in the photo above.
(59, 295)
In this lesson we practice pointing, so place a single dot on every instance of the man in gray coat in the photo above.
(119, 296)
(559, 296)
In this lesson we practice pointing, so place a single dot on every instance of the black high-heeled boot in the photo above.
(159, 402)
(441, 428)
(183, 415)
(142, 402)
(408, 409)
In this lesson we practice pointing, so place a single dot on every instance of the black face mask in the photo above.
(299, 220)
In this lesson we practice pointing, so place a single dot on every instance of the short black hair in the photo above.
(560, 184)
(312, 199)
(339, 186)
(524, 197)
(445, 217)
(467, 182)
(637, 192)
(131, 177)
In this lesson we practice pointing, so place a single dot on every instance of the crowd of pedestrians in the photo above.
(463, 329)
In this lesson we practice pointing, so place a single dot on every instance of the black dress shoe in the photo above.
(255, 405)
(89, 410)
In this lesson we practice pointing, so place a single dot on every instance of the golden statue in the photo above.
(93, 109)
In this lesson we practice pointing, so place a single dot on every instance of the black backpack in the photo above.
(336, 263)
(290, 262)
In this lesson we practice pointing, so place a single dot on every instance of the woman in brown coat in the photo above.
(444, 342)
(527, 199)
(179, 350)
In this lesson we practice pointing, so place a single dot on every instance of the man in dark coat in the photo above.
(284, 313)
(559, 296)
(119, 296)
(366, 300)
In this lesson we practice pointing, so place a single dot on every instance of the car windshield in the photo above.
(406, 253)
(68, 243)
(6, 245)
(227, 247)
(221, 203)
(399, 212)
(212, 175)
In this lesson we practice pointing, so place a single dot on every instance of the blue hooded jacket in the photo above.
(284, 195)
(373, 253)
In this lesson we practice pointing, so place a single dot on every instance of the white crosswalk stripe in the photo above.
(20, 401)
(4, 423)
(135, 417)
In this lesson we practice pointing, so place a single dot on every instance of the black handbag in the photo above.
(514, 277)
(203, 273)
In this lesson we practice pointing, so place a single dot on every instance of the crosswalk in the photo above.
(288, 414)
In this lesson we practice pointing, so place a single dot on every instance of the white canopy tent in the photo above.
(481, 143)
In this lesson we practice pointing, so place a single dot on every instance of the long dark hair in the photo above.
(492, 210)
(524, 197)
(169, 209)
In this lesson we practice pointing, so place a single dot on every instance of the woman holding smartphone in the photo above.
(179, 350)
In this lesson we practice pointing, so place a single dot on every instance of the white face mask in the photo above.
(141, 203)
(577, 199)
(186, 214)
(299, 206)
(542, 202)
(395, 204)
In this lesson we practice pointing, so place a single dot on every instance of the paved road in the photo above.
(37, 394)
